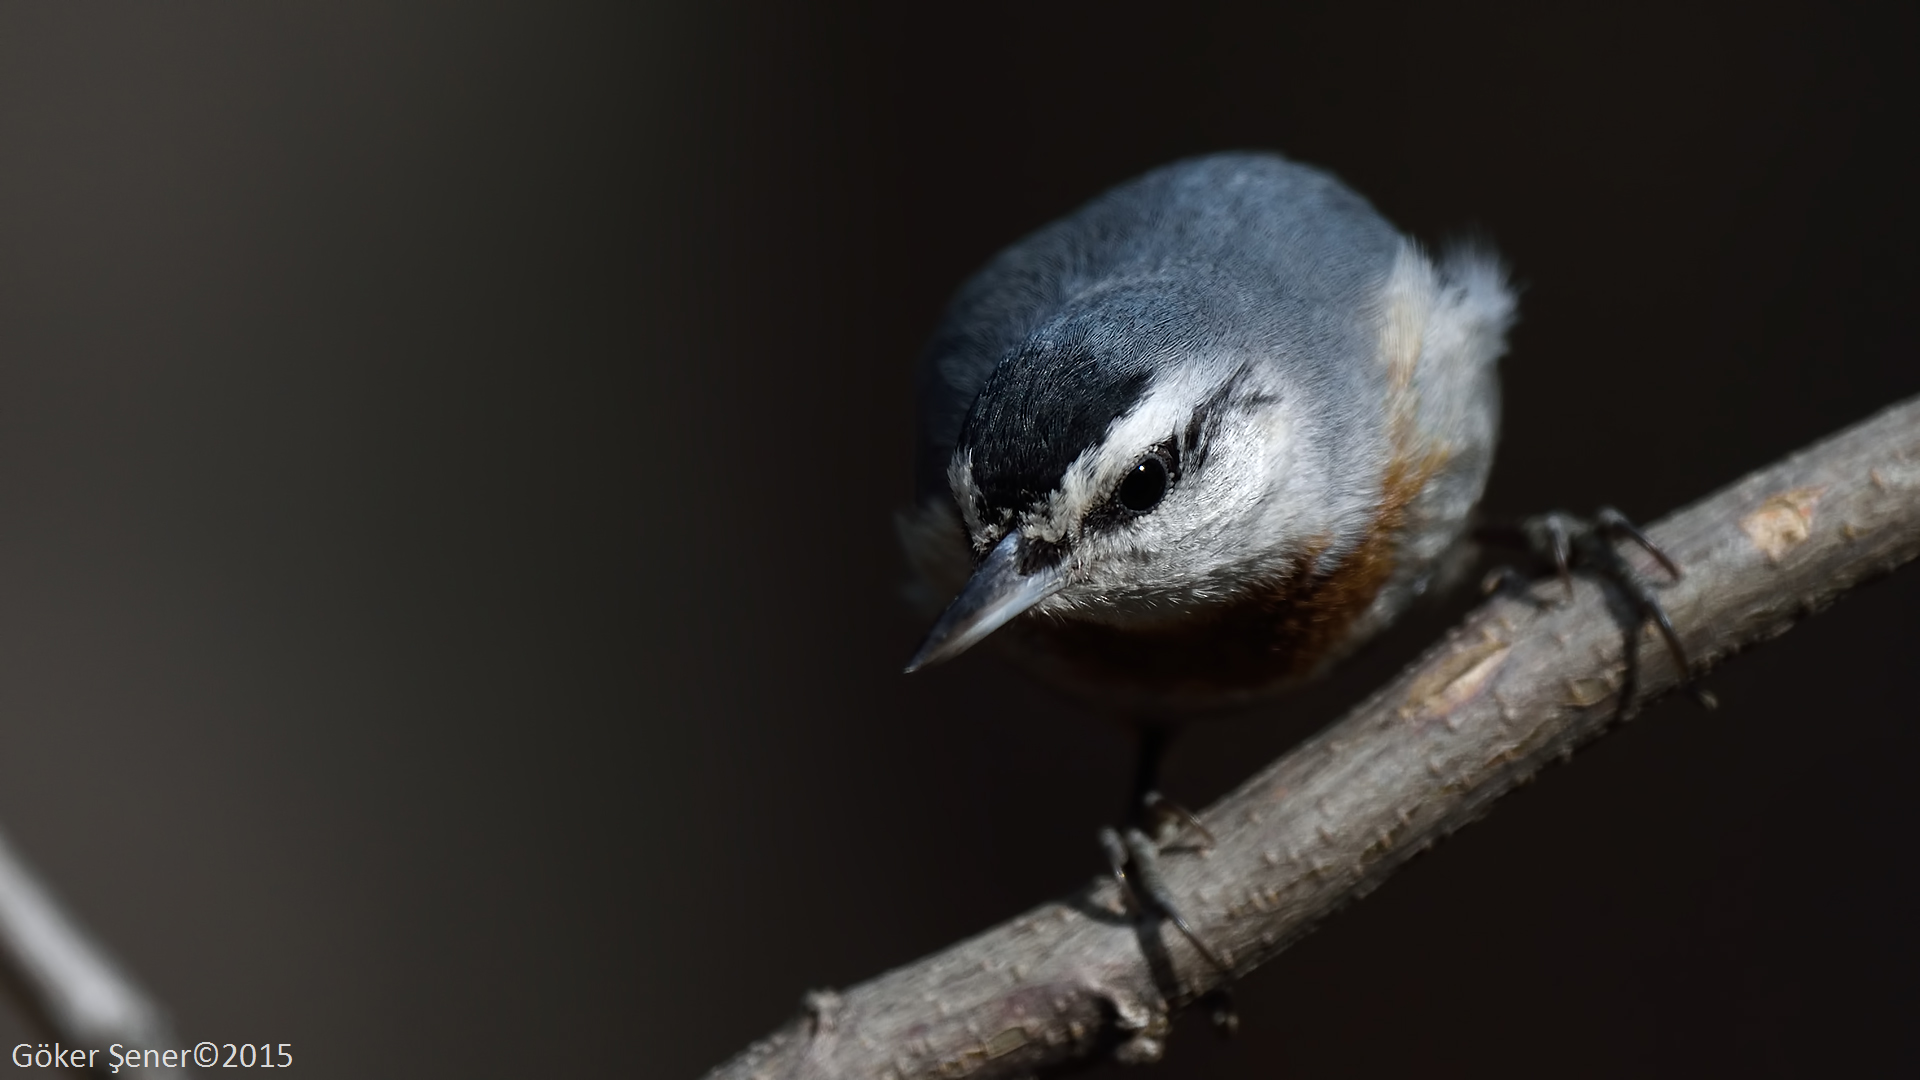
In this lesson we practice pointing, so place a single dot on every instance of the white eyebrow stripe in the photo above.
(1161, 416)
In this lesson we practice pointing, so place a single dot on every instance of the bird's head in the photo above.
(1127, 464)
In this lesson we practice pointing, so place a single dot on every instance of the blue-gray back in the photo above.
(1231, 258)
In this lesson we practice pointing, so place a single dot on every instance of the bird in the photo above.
(1196, 441)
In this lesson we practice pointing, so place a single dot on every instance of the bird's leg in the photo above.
(1151, 751)
(1147, 809)
(1133, 855)
(1571, 542)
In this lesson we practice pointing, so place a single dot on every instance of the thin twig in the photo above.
(1522, 682)
(64, 980)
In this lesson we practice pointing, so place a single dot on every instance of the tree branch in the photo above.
(1521, 683)
(65, 981)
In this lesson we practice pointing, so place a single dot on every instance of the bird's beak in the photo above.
(996, 593)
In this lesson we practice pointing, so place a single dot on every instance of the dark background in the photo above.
(448, 600)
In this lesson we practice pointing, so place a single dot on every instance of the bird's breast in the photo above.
(1275, 634)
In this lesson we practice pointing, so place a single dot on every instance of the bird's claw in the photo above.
(1134, 859)
(1570, 542)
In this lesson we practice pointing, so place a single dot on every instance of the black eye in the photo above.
(1145, 486)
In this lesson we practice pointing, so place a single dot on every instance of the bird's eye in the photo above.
(1145, 486)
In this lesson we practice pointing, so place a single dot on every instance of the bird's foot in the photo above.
(1572, 542)
(1134, 858)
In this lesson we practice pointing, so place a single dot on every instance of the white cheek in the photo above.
(1245, 517)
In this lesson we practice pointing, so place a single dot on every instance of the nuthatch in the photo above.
(1199, 439)
(1204, 436)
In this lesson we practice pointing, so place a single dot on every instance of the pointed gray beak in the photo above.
(996, 593)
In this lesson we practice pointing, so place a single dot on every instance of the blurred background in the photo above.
(449, 609)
